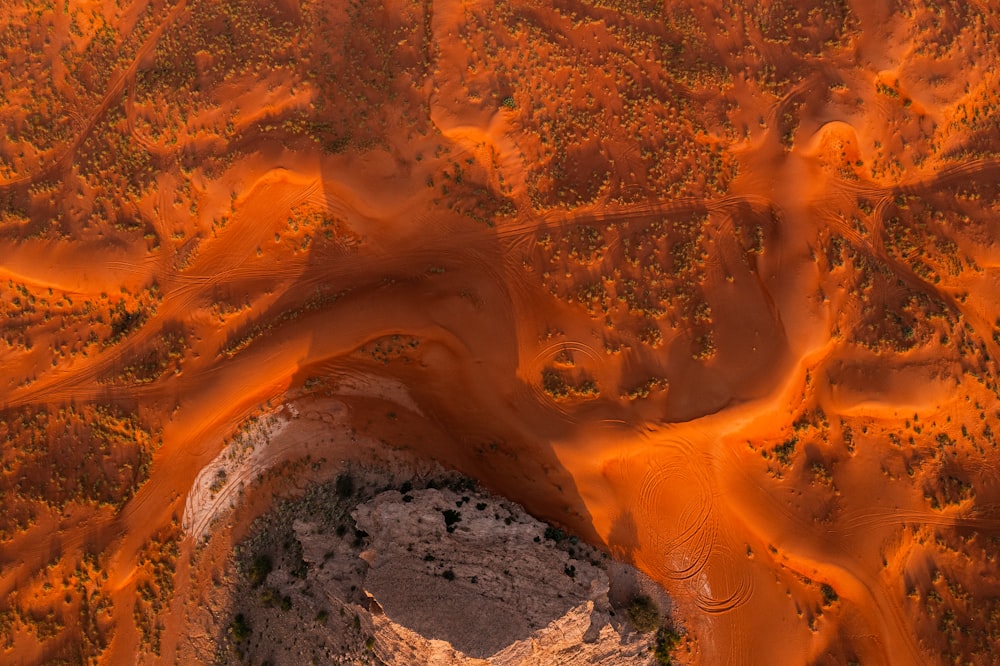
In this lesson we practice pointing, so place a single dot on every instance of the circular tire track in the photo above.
(673, 493)
(738, 583)
(534, 368)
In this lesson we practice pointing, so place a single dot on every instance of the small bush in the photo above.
(259, 570)
(239, 629)
(344, 485)
(643, 614)
(554, 534)
(667, 641)
(269, 597)
(450, 518)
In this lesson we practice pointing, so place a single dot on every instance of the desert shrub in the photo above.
(260, 568)
(239, 629)
(554, 384)
(643, 613)
(783, 452)
(667, 641)
(268, 597)
(450, 518)
(554, 534)
(344, 485)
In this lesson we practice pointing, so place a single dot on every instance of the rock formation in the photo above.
(437, 576)
(468, 579)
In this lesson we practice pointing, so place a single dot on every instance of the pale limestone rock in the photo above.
(511, 601)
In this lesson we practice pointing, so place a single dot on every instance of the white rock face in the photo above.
(462, 578)
(219, 485)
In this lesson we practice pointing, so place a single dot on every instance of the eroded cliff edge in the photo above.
(435, 572)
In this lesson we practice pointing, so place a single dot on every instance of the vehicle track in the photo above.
(675, 485)
(739, 583)
(114, 90)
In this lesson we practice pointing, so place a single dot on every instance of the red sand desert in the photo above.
(712, 285)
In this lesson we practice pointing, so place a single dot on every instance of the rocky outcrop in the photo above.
(436, 576)
(459, 578)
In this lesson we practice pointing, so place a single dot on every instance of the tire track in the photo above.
(115, 89)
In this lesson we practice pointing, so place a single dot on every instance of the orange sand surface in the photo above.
(713, 285)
